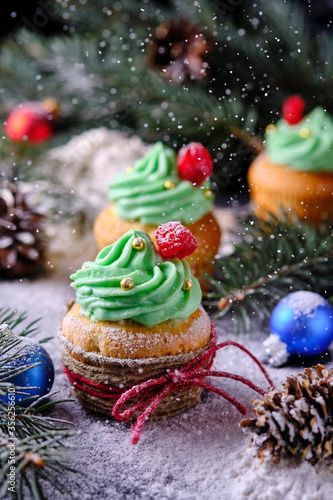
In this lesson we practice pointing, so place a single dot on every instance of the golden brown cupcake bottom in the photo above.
(89, 350)
(127, 339)
(108, 228)
(276, 187)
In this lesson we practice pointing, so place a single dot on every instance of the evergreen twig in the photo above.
(13, 319)
(10, 352)
(274, 257)
(39, 458)
(101, 71)
(41, 451)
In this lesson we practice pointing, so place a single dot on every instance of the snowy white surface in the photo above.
(201, 454)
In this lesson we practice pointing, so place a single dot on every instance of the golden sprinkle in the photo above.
(188, 284)
(208, 193)
(169, 185)
(304, 133)
(127, 284)
(271, 129)
(129, 170)
(138, 243)
(85, 267)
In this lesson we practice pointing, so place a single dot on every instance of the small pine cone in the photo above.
(180, 51)
(296, 421)
(22, 236)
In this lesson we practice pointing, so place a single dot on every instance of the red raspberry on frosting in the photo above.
(194, 163)
(175, 241)
(292, 109)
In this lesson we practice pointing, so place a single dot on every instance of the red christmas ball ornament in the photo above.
(32, 122)
(292, 109)
(175, 241)
(194, 163)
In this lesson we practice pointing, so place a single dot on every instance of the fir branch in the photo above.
(39, 458)
(13, 319)
(80, 70)
(32, 442)
(191, 112)
(272, 58)
(275, 257)
(139, 91)
(10, 352)
(251, 141)
(31, 420)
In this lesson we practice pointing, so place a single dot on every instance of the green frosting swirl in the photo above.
(157, 294)
(312, 153)
(141, 195)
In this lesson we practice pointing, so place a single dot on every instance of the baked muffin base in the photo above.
(109, 227)
(275, 187)
(127, 339)
(122, 374)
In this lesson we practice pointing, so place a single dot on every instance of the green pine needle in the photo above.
(274, 258)
(14, 319)
(41, 448)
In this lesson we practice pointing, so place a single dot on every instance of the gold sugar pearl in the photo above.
(127, 284)
(138, 243)
(188, 284)
(271, 129)
(304, 133)
(129, 170)
(208, 193)
(169, 185)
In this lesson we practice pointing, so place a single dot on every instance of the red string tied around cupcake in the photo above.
(147, 396)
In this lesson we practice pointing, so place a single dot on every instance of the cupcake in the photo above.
(161, 188)
(137, 315)
(294, 173)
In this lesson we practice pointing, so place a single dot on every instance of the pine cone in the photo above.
(22, 237)
(180, 51)
(296, 421)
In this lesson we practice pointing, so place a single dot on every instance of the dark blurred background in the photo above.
(38, 16)
(13, 14)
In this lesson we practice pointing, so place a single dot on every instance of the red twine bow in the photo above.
(149, 394)
(103, 391)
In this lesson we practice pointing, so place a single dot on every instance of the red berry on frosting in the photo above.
(194, 163)
(292, 109)
(175, 241)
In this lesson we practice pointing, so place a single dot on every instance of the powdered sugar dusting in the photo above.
(200, 455)
(84, 334)
(305, 303)
(297, 480)
(175, 240)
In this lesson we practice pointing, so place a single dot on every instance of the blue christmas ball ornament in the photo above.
(41, 376)
(301, 324)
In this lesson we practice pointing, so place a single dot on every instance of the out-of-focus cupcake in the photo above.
(163, 187)
(295, 172)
